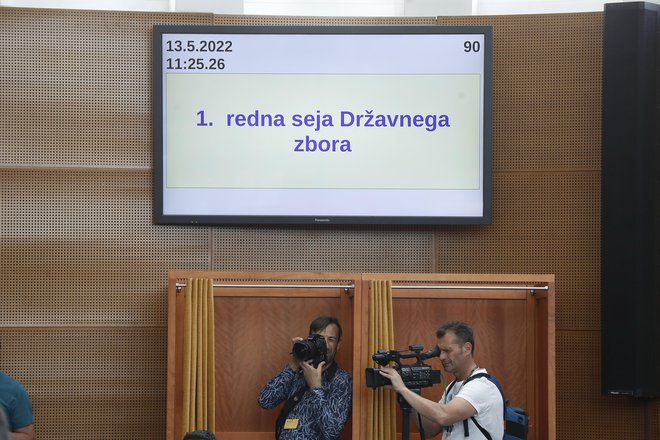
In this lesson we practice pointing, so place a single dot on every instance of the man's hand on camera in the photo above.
(394, 377)
(294, 363)
(312, 375)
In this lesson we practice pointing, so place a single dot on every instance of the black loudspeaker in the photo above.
(630, 215)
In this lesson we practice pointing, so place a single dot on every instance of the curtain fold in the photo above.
(381, 403)
(198, 410)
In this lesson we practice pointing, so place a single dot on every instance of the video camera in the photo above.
(314, 348)
(417, 375)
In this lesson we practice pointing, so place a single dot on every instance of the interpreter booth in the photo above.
(229, 333)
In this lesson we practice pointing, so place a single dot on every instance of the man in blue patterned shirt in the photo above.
(322, 393)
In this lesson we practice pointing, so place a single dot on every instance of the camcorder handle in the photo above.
(384, 357)
(417, 353)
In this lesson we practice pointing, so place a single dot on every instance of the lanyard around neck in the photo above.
(451, 385)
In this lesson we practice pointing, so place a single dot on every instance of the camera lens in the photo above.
(303, 350)
(313, 348)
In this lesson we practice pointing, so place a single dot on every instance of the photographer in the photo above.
(318, 397)
(478, 400)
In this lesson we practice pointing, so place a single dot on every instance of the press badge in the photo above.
(291, 424)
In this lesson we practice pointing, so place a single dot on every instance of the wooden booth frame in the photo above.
(257, 314)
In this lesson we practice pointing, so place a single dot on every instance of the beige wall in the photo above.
(83, 309)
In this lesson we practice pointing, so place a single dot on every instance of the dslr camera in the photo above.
(415, 376)
(313, 348)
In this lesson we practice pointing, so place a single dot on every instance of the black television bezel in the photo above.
(157, 112)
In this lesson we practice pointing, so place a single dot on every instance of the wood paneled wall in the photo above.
(83, 309)
(512, 317)
(253, 328)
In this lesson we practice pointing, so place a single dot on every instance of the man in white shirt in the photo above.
(478, 400)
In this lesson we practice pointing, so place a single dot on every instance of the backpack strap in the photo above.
(481, 428)
(295, 398)
(451, 385)
(476, 376)
(466, 429)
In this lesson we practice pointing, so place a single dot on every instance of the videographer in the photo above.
(318, 394)
(479, 398)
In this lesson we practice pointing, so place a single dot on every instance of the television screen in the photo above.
(322, 124)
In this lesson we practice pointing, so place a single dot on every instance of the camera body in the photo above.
(313, 348)
(414, 376)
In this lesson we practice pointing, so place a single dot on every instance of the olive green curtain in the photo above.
(381, 403)
(198, 357)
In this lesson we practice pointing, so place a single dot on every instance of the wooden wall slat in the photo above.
(541, 222)
(76, 87)
(80, 249)
(358, 248)
(87, 383)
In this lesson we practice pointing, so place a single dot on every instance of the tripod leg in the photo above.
(405, 420)
(405, 425)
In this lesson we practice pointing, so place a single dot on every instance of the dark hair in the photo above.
(461, 330)
(322, 322)
(199, 435)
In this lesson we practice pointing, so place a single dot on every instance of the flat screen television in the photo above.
(322, 124)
